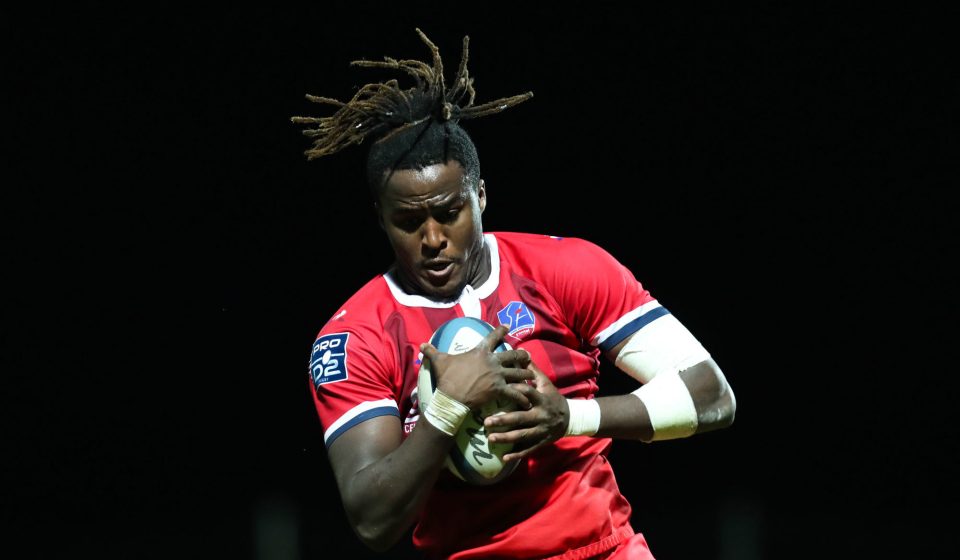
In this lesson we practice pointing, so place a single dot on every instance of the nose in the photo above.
(434, 238)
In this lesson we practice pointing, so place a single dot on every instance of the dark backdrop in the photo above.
(776, 177)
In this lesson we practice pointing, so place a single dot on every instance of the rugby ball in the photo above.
(472, 458)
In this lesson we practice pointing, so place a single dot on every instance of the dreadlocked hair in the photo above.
(410, 128)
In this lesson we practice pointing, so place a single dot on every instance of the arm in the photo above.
(684, 390)
(703, 387)
(626, 416)
(384, 481)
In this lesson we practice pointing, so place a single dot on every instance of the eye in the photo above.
(407, 223)
(451, 214)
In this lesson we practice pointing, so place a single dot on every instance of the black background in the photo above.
(777, 177)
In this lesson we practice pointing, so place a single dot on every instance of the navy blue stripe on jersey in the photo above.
(363, 416)
(632, 327)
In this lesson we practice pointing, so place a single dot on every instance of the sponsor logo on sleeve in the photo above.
(518, 318)
(410, 422)
(328, 361)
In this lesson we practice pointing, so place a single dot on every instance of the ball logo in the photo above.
(517, 317)
(328, 361)
(480, 455)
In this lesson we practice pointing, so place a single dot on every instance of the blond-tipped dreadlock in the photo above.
(378, 108)
(383, 110)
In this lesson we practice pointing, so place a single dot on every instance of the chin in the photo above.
(449, 290)
(441, 292)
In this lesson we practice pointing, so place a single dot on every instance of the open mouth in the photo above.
(438, 271)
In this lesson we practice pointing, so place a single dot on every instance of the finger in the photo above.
(511, 393)
(533, 395)
(516, 375)
(522, 389)
(429, 351)
(509, 421)
(518, 357)
(524, 452)
(530, 394)
(519, 436)
(494, 338)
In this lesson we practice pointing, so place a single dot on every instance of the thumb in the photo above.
(494, 338)
(429, 351)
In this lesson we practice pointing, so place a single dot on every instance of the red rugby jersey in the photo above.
(564, 300)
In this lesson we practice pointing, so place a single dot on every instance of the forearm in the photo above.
(696, 400)
(385, 497)
(624, 417)
(627, 416)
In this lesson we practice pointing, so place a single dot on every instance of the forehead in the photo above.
(434, 183)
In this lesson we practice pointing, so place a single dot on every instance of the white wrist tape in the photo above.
(584, 417)
(670, 406)
(445, 413)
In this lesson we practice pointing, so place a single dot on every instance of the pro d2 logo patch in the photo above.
(328, 360)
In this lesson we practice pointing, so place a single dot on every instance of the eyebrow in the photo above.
(453, 198)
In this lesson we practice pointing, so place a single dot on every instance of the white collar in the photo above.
(485, 289)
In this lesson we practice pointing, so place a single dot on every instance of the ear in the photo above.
(482, 195)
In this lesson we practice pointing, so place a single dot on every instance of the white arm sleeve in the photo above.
(664, 345)
(654, 355)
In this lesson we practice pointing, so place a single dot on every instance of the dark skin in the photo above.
(384, 480)
(432, 219)
(621, 416)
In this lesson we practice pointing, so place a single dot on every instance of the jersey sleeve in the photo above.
(351, 380)
(601, 297)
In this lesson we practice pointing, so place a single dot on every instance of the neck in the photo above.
(480, 271)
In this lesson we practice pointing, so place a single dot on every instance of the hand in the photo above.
(481, 375)
(545, 422)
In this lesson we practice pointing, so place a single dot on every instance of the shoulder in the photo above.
(520, 241)
(543, 254)
(365, 311)
(353, 343)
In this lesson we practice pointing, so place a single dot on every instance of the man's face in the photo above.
(432, 218)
